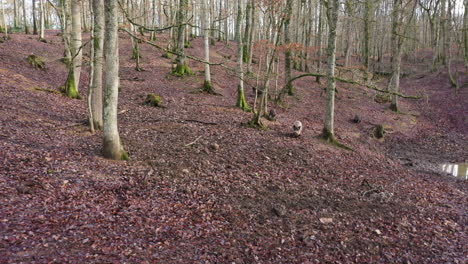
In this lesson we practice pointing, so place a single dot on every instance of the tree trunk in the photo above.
(251, 37)
(241, 102)
(332, 16)
(365, 53)
(288, 54)
(319, 42)
(98, 49)
(42, 25)
(246, 41)
(396, 53)
(112, 148)
(73, 80)
(4, 22)
(182, 68)
(15, 14)
(25, 21)
(465, 31)
(207, 86)
(34, 17)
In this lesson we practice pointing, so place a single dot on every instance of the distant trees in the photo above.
(278, 42)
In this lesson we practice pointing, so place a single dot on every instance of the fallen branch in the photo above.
(369, 86)
(193, 142)
(201, 122)
(47, 90)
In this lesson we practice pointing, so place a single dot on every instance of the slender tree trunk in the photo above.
(15, 14)
(288, 54)
(182, 68)
(34, 17)
(246, 41)
(66, 31)
(465, 31)
(42, 25)
(241, 101)
(251, 36)
(332, 16)
(396, 53)
(98, 49)
(319, 42)
(207, 86)
(5, 30)
(367, 12)
(25, 20)
(112, 148)
(73, 80)
(443, 28)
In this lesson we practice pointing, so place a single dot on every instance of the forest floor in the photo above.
(202, 188)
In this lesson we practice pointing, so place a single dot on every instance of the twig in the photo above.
(201, 122)
(193, 142)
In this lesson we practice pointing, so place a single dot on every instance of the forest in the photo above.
(233, 131)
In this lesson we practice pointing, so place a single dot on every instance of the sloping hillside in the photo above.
(201, 188)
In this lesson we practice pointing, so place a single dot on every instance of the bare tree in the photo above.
(74, 71)
(112, 148)
(182, 68)
(332, 18)
(97, 63)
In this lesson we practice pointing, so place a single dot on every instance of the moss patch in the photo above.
(167, 55)
(330, 138)
(182, 70)
(69, 89)
(36, 62)
(124, 155)
(242, 102)
(153, 100)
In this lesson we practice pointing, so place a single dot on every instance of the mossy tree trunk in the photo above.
(332, 16)
(241, 101)
(112, 148)
(182, 68)
(73, 81)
